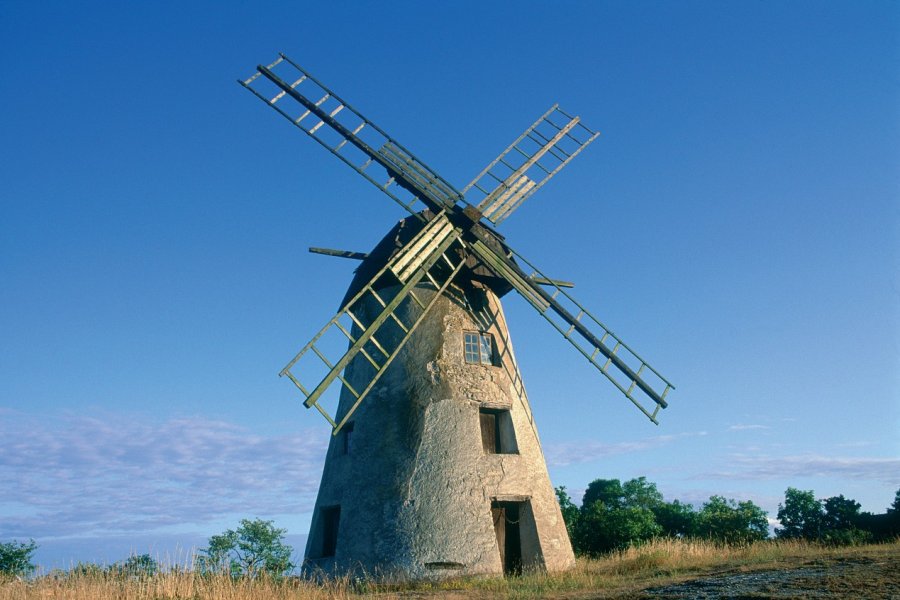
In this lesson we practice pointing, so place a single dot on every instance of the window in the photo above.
(497, 434)
(330, 518)
(347, 432)
(479, 348)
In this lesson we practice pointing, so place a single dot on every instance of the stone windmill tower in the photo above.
(434, 468)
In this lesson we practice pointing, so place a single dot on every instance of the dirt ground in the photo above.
(865, 576)
(856, 577)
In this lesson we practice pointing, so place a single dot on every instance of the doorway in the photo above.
(517, 536)
(507, 520)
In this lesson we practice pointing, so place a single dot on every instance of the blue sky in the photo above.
(736, 223)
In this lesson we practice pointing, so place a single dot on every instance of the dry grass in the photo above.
(624, 574)
(168, 586)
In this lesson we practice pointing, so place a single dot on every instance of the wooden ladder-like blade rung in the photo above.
(549, 145)
(415, 298)
(354, 318)
(282, 93)
(252, 78)
(344, 331)
(349, 387)
(372, 339)
(308, 112)
(400, 323)
(537, 163)
(296, 381)
(376, 296)
(369, 358)
(345, 140)
(432, 280)
(325, 414)
(378, 346)
(322, 357)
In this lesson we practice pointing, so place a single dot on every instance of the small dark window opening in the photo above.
(497, 435)
(490, 431)
(347, 436)
(330, 517)
(479, 348)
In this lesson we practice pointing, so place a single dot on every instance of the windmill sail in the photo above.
(536, 156)
(428, 259)
(331, 121)
(632, 375)
(528, 163)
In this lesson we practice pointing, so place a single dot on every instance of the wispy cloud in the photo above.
(747, 427)
(571, 453)
(883, 470)
(118, 474)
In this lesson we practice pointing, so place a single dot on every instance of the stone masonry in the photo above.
(409, 490)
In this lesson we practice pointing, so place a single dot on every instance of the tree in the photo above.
(676, 519)
(142, 565)
(608, 491)
(614, 516)
(255, 547)
(88, 570)
(602, 528)
(882, 527)
(569, 510)
(800, 515)
(641, 493)
(637, 493)
(840, 513)
(732, 522)
(893, 516)
(842, 521)
(15, 558)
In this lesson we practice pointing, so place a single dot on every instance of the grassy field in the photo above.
(663, 569)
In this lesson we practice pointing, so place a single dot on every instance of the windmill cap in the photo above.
(475, 273)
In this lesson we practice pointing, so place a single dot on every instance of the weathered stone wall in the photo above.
(416, 488)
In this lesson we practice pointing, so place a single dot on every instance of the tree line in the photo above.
(256, 547)
(612, 516)
(615, 515)
(835, 520)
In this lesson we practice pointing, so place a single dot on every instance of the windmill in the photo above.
(434, 468)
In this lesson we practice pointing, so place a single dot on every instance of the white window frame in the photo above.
(478, 348)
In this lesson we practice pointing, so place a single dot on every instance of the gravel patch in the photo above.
(850, 578)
